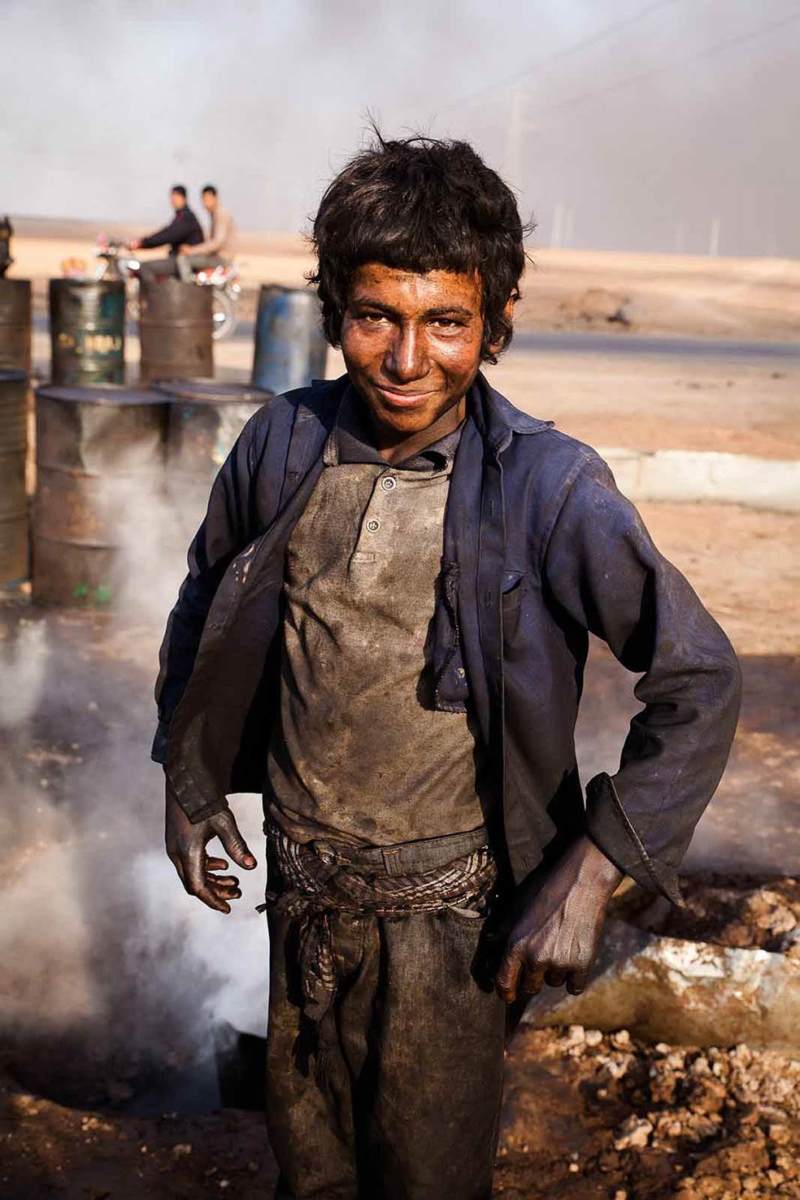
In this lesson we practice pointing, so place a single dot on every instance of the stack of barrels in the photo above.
(87, 330)
(13, 493)
(105, 451)
(15, 365)
(120, 469)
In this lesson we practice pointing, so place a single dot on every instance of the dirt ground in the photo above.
(744, 565)
(659, 403)
(586, 1116)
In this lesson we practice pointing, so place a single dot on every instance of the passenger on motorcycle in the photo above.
(218, 248)
(183, 230)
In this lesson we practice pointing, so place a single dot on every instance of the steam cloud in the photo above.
(110, 970)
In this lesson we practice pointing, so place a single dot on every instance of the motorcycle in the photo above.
(118, 262)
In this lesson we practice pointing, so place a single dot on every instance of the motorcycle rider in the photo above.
(183, 230)
(217, 249)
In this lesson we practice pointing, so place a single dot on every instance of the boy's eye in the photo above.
(447, 323)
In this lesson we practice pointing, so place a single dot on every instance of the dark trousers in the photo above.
(159, 268)
(395, 1094)
(187, 264)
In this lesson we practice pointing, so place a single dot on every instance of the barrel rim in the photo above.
(115, 285)
(13, 375)
(112, 394)
(207, 390)
(23, 283)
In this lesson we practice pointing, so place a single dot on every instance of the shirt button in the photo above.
(373, 526)
(388, 483)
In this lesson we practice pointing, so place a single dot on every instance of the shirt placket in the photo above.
(371, 544)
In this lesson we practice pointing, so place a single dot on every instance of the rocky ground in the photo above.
(587, 1116)
(591, 1115)
(728, 912)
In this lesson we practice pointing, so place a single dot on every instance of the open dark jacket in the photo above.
(539, 549)
(183, 230)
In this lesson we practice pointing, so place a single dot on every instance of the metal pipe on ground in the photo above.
(290, 347)
(176, 324)
(14, 554)
(15, 324)
(100, 461)
(205, 418)
(87, 331)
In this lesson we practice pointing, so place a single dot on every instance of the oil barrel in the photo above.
(205, 418)
(175, 325)
(13, 496)
(15, 324)
(87, 331)
(290, 347)
(100, 477)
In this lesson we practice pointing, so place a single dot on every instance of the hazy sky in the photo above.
(622, 123)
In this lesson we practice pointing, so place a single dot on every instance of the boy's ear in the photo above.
(508, 315)
(508, 307)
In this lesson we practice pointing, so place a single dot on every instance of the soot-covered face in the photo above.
(412, 344)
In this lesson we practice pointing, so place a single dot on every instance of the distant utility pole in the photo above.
(556, 232)
(513, 149)
(713, 238)
(569, 225)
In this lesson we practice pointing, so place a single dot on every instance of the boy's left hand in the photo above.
(556, 939)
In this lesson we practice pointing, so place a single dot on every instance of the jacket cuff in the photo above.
(610, 828)
(158, 753)
(190, 796)
(196, 815)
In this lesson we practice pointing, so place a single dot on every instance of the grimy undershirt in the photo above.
(360, 754)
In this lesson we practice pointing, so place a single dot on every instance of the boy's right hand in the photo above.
(186, 843)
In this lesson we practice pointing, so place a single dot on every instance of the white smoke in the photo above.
(101, 946)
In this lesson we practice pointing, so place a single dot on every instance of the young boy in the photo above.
(384, 629)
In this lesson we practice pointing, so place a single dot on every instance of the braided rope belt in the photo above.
(313, 890)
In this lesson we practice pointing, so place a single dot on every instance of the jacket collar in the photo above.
(497, 418)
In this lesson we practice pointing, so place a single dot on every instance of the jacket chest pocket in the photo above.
(511, 603)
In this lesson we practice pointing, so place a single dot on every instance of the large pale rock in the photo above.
(670, 989)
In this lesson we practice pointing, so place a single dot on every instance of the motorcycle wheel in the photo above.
(224, 314)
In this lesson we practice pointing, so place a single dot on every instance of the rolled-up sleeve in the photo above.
(603, 570)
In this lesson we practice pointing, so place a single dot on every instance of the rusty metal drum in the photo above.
(176, 324)
(205, 418)
(15, 324)
(13, 496)
(100, 476)
(87, 331)
(290, 347)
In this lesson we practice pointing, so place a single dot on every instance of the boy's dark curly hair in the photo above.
(420, 204)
